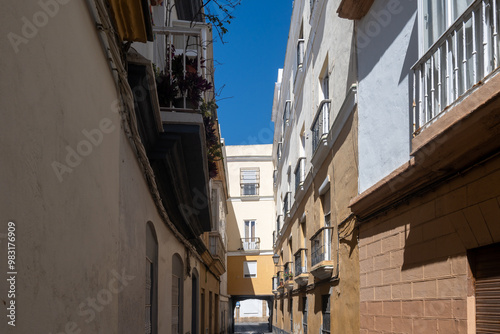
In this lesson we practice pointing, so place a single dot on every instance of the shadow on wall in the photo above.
(379, 29)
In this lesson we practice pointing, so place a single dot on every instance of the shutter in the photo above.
(249, 176)
(487, 274)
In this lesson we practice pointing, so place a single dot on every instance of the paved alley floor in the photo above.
(251, 327)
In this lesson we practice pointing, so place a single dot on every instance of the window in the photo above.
(151, 280)
(321, 122)
(325, 311)
(249, 181)
(304, 314)
(291, 314)
(177, 293)
(250, 269)
(438, 16)
(327, 239)
(325, 87)
(249, 229)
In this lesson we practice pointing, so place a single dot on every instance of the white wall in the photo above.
(387, 48)
(259, 208)
(253, 308)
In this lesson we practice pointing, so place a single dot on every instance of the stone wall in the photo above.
(414, 270)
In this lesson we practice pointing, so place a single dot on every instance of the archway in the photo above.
(237, 302)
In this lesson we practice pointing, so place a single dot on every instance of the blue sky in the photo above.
(248, 67)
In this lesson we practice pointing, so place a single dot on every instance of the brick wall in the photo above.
(414, 272)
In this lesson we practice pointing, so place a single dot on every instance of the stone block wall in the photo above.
(414, 270)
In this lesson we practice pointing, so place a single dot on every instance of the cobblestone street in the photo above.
(252, 327)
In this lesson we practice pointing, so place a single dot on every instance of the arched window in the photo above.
(151, 323)
(177, 293)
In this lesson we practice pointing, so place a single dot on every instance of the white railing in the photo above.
(250, 243)
(321, 124)
(300, 172)
(278, 151)
(180, 53)
(279, 224)
(300, 53)
(464, 55)
(287, 203)
(286, 115)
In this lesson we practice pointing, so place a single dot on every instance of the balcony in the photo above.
(288, 275)
(287, 204)
(321, 125)
(281, 283)
(275, 178)
(286, 115)
(301, 274)
(300, 175)
(461, 58)
(275, 284)
(300, 54)
(180, 55)
(218, 252)
(279, 151)
(250, 244)
(279, 225)
(321, 263)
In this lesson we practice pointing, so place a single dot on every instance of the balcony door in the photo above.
(250, 239)
(438, 16)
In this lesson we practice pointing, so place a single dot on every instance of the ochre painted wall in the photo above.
(261, 285)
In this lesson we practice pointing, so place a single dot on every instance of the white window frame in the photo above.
(245, 182)
(247, 269)
(449, 18)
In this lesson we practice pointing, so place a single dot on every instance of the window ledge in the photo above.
(250, 198)
(302, 279)
(323, 270)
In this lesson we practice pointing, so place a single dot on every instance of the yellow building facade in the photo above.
(249, 230)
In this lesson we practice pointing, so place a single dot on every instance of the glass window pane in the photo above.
(434, 13)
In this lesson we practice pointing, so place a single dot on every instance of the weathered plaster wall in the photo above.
(81, 227)
(56, 86)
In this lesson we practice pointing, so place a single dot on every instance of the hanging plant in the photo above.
(181, 79)
(214, 146)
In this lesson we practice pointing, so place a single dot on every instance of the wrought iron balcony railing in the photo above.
(301, 261)
(300, 172)
(321, 246)
(321, 124)
(250, 243)
(464, 55)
